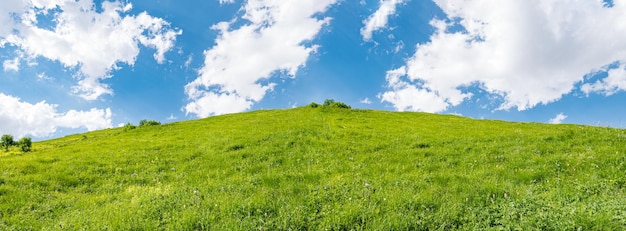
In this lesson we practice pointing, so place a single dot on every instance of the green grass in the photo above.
(321, 169)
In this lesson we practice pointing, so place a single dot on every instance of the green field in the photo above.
(321, 169)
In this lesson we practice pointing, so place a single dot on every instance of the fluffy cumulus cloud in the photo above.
(274, 38)
(42, 119)
(379, 19)
(558, 119)
(79, 36)
(525, 52)
(7, 22)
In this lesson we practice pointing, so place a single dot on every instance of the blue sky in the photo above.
(77, 65)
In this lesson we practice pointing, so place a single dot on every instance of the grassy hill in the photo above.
(321, 169)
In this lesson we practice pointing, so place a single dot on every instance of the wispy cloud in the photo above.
(189, 60)
(380, 18)
(526, 53)
(43, 76)
(272, 42)
(558, 119)
(399, 47)
(366, 101)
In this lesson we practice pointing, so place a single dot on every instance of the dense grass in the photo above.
(321, 169)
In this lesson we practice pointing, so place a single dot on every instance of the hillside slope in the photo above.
(318, 168)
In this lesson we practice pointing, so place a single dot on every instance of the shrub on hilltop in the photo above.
(144, 122)
(314, 105)
(129, 126)
(330, 103)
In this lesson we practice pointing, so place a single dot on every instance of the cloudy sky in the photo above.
(76, 65)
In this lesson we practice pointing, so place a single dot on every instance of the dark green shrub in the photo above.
(144, 122)
(129, 126)
(330, 103)
(25, 143)
(340, 105)
(6, 142)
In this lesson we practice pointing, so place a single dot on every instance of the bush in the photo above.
(144, 122)
(129, 126)
(6, 142)
(330, 103)
(340, 105)
(25, 143)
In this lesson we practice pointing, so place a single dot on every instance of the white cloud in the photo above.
(366, 101)
(525, 52)
(237, 70)
(408, 97)
(42, 119)
(613, 83)
(379, 19)
(7, 24)
(189, 60)
(217, 104)
(399, 47)
(558, 119)
(43, 76)
(93, 42)
(227, 1)
(11, 64)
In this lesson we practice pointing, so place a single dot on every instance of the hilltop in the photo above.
(321, 168)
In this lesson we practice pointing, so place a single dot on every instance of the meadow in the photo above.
(321, 169)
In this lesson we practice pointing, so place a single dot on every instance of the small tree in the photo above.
(25, 143)
(6, 142)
